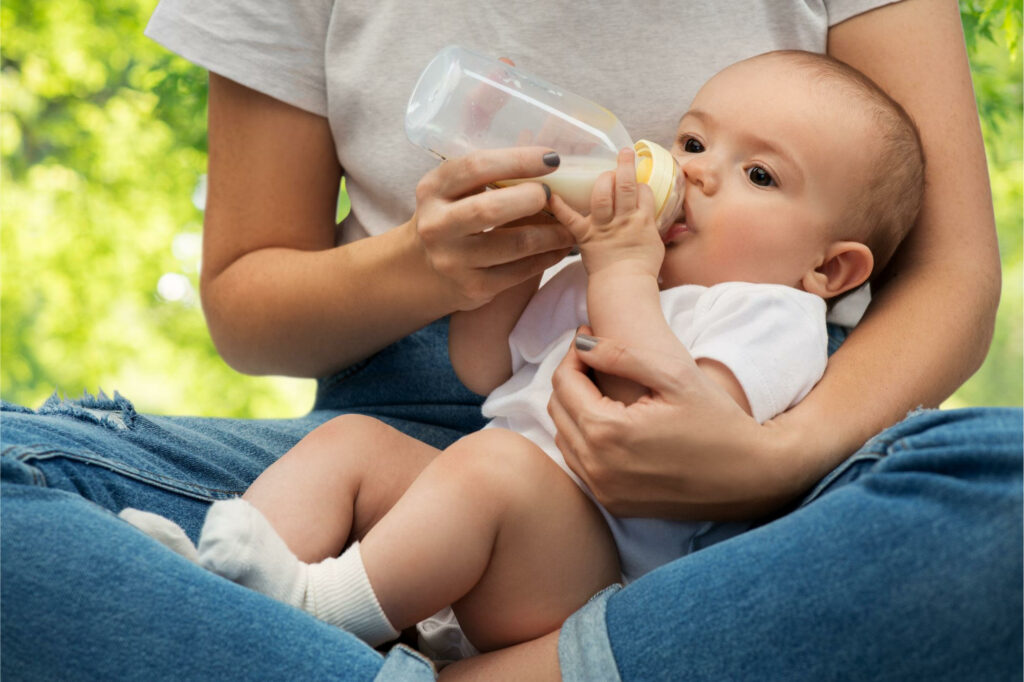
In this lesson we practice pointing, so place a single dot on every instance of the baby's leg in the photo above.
(498, 530)
(336, 483)
(327, 490)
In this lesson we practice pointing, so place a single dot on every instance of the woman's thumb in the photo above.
(653, 369)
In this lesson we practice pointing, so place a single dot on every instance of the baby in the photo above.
(801, 178)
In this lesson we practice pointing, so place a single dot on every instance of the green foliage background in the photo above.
(102, 136)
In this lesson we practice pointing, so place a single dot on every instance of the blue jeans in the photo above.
(897, 565)
(902, 564)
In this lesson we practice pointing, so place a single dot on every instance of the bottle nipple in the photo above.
(658, 169)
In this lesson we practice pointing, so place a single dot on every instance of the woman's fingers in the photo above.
(480, 242)
(514, 243)
(659, 372)
(501, 277)
(465, 174)
(481, 211)
(573, 392)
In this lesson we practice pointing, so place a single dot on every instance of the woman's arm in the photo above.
(927, 330)
(929, 327)
(280, 297)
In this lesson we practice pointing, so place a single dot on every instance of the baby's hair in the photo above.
(884, 210)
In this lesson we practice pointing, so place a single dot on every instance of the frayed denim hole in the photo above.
(115, 413)
(14, 407)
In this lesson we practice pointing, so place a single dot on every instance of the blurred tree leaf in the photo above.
(103, 145)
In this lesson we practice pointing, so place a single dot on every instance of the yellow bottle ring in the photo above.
(657, 169)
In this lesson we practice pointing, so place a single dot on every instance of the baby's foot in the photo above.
(238, 543)
(163, 530)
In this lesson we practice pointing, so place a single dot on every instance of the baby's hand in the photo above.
(620, 230)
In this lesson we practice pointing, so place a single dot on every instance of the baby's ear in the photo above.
(846, 266)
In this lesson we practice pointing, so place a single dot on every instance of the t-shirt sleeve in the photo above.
(772, 338)
(841, 10)
(276, 47)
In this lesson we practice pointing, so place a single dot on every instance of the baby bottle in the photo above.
(466, 101)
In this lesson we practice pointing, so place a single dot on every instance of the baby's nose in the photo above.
(701, 173)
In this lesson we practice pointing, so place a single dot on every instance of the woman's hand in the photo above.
(687, 450)
(454, 217)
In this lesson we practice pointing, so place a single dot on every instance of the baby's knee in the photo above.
(352, 429)
(503, 463)
(341, 443)
(353, 425)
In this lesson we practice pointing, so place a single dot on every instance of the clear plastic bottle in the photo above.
(465, 101)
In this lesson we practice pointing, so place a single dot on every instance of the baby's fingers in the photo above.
(625, 181)
(602, 199)
(568, 216)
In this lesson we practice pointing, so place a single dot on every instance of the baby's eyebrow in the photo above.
(774, 149)
(695, 113)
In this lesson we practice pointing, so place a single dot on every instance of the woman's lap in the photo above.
(936, 498)
(109, 601)
(905, 563)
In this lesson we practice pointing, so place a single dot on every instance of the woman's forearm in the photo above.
(279, 297)
(308, 313)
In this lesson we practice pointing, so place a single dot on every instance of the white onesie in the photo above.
(771, 337)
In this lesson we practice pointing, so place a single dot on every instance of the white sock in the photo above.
(163, 530)
(238, 543)
(339, 593)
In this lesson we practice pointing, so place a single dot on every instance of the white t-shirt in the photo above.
(356, 63)
(771, 337)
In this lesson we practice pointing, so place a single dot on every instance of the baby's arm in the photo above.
(622, 253)
(478, 339)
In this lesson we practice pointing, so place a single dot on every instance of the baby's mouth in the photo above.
(678, 228)
(675, 230)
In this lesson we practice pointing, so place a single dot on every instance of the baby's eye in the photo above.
(692, 146)
(759, 176)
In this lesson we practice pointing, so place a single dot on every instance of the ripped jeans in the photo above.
(903, 563)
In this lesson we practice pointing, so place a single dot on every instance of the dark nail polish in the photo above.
(585, 342)
(547, 190)
(552, 159)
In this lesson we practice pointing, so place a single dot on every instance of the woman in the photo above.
(300, 93)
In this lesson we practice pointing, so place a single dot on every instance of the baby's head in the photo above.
(799, 171)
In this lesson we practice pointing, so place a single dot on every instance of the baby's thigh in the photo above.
(351, 465)
(553, 549)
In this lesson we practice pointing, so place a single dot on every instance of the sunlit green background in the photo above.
(102, 134)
